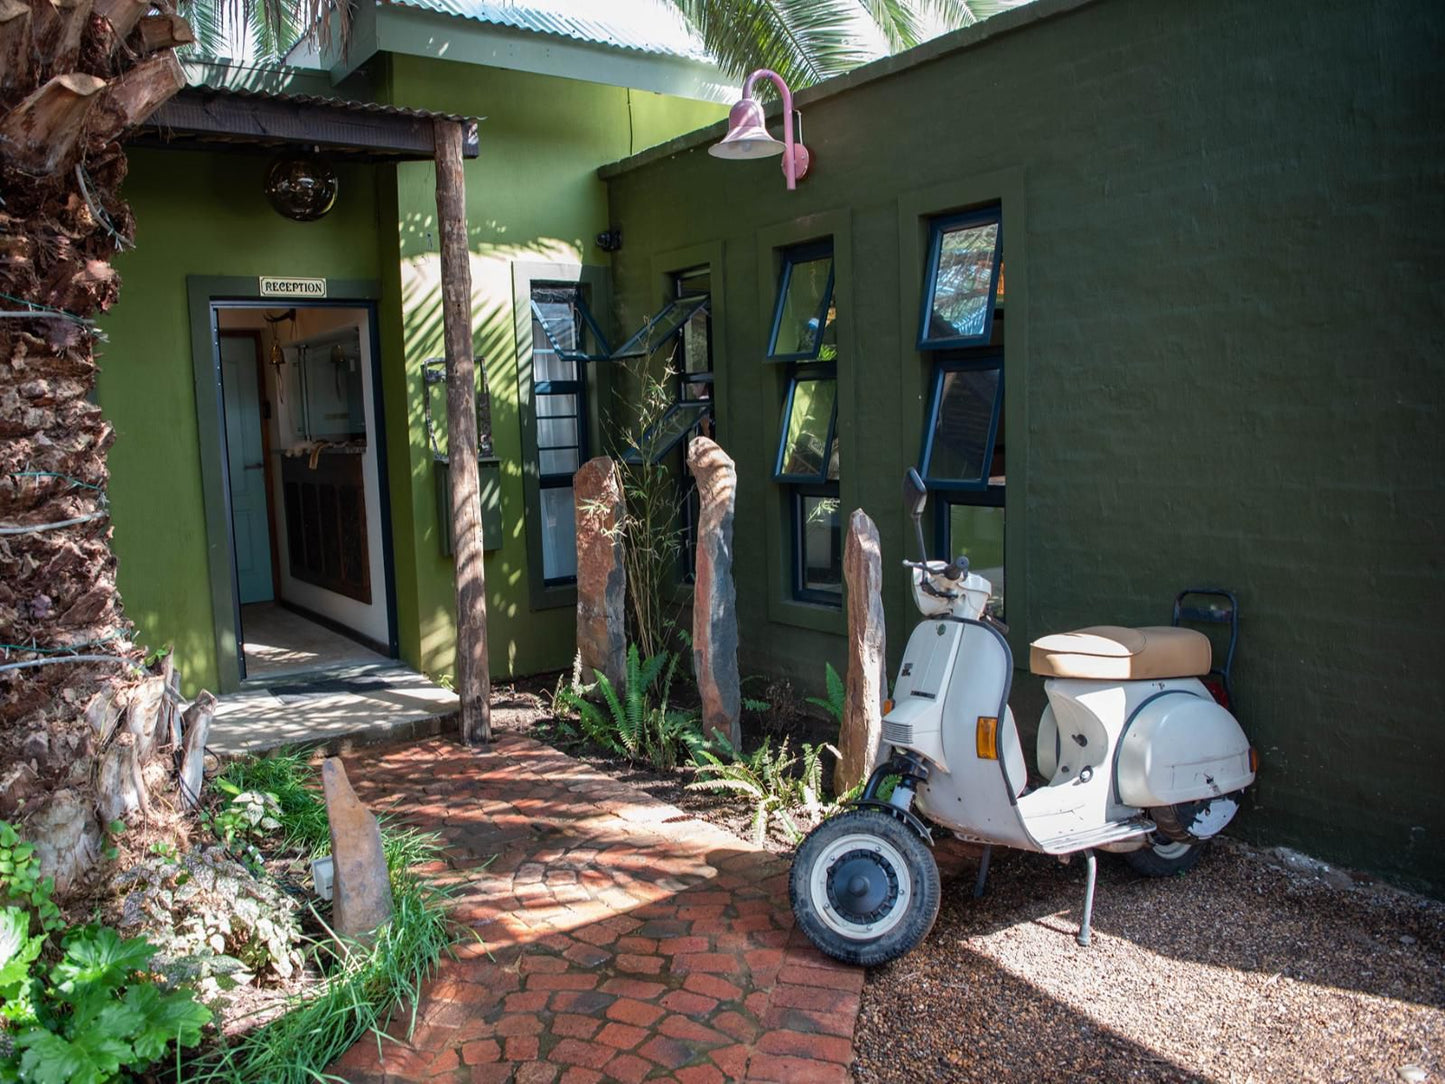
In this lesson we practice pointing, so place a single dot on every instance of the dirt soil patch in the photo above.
(1256, 966)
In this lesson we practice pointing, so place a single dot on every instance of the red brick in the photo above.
(622, 1036)
(831, 978)
(518, 1025)
(534, 964)
(764, 959)
(577, 1052)
(795, 1070)
(574, 1026)
(633, 988)
(521, 1048)
(716, 962)
(587, 955)
(445, 1062)
(691, 1004)
(578, 1075)
(532, 1001)
(802, 1045)
(702, 983)
(669, 1053)
(595, 934)
(675, 946)
(739, 1027)
(588, 1002)
(732, 1060)
(642, 965)
(481, 1051)
(501, 1073)
(637, 945)
(815, 999)
(535, 1072)
(700, 1074)
(826, 1023)
(680, 1027)
(631, 1011)
(561, 982)
(628, 1068)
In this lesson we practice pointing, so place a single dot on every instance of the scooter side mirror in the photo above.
(915, 495)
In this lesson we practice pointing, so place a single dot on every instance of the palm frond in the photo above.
(804, 41)
(897, 19)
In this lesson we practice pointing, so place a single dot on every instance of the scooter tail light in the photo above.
(987, 737)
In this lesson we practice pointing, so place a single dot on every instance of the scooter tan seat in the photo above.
(1113, 653)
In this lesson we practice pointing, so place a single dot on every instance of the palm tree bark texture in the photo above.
(74, 76)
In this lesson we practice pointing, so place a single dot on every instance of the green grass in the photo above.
(367, 981)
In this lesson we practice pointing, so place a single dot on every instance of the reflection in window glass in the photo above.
(559, 534)
(804, 452)
(964, 260)
(559, 328)
(805, 308)
(960, 447)
(976, 532)
(821, 549)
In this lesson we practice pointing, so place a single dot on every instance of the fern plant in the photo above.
(837, 693)
(779, 794)
(628, 722)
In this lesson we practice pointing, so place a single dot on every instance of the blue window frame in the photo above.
(560, 312)
(560, 324)
(962, 431)
(803, 313)
(817, 520)
(961, 279)
(662, 436)
(808, 438)
(658, 329)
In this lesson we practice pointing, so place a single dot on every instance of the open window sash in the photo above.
(801, 315)
(960, 290)
(658, 329)
(665, 434)
(963, 417)
(578, 327)
(807, 444)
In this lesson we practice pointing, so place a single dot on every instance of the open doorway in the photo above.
(304, 463)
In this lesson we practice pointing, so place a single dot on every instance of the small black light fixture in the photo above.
(610, 240)
(301, 186)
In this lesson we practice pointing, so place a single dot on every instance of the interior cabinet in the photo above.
(325, 388)
(325, 508)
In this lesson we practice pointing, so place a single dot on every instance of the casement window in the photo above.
(563, 333)
(804, 336)
(961, 331)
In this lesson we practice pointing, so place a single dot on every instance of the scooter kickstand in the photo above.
(1090, 869)
(982, 871)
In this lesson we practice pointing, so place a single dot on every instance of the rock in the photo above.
(867, 687)
(66, 837)
(361, 889)
(1412, 1074)
(714, 607)
(601, 577)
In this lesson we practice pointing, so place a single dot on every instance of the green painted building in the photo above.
(1212, 359)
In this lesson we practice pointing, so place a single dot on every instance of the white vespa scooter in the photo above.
(1137, 756)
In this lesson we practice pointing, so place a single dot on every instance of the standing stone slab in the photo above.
(601, 577)
(867, 653)
(714, 604)
(361, 890)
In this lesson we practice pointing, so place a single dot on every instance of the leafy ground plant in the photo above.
(784, 790)
(630, 722)
(837, 695)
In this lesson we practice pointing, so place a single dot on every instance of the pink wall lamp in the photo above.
(748, 132)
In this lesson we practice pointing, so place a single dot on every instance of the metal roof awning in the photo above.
(205, 118)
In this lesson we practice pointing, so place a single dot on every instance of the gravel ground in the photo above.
(1256, 966)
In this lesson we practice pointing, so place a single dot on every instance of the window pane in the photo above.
(557, 433)
(697, 389)
(804, 307)
(559, 534)
(665, 434)
(822, 545)
(657, 329)
(967, 256)
(562, 461)
(976, 532)
(804, 452)
(556, 406)
(696, 347)
(961, 446)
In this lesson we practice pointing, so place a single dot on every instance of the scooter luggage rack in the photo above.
(1215, 614)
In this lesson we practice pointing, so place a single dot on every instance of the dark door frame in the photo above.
(206, 294)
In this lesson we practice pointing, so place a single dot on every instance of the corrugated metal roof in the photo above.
(346, 105)
(644, 26)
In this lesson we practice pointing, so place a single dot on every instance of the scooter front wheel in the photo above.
(864, 887)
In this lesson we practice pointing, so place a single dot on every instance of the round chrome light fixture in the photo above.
(301, 186)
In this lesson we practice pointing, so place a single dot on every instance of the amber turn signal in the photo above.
(1253, 760)
(988, 737)
(887, 706)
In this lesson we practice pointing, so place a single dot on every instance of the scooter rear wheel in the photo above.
(864, 887)
(1165, 858)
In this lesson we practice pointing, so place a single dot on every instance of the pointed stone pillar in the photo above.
(714, 604)
(601, 576)
(867, 685)
(361, 889)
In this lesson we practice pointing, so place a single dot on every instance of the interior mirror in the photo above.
(915, 496)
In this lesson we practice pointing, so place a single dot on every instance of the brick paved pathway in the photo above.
(624, 939)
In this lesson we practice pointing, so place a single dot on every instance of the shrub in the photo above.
(630, 723)
(778, 794)
(837, 695)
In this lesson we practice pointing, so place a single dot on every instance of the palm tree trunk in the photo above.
(78, 721)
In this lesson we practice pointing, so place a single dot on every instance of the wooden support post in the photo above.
(474, 686)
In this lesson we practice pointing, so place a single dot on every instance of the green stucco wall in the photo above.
(1224, 353)
(533, 198)
(196, 214)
